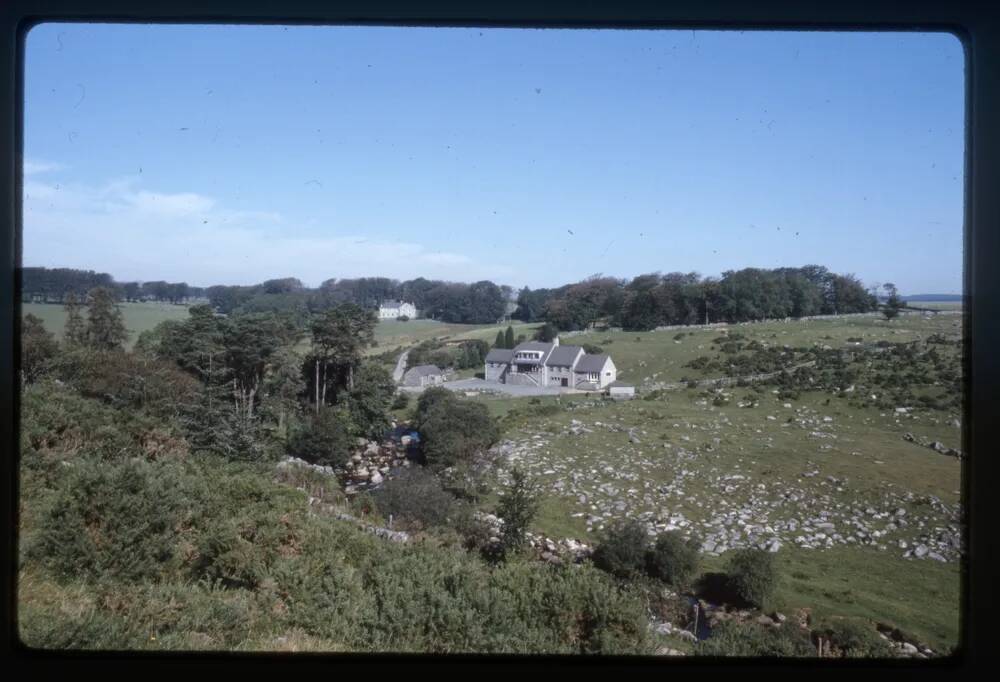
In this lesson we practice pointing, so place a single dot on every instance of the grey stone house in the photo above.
(423, 375)
(534, 363)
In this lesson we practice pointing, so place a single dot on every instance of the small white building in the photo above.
(390, 310)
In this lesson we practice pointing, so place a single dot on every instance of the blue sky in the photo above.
(235, 154)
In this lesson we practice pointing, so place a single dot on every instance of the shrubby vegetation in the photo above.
(748, 639)
(324, 438)
(153, 515)
(122, 551)
(417, 499)
(855, 639)
(626, 551)
(925, 373)
(673, 559)
(622, 549)
(518, 506)
(452, 431)
(465, 355)
(751, 576)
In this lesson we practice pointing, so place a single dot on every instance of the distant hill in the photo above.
(933, 297)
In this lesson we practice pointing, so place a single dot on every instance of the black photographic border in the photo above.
(972, 23)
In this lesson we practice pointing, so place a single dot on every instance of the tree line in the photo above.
(56, 285)
(641, 303)
(653, 300)
(477, 303)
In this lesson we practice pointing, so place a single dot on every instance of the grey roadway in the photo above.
(494, 387)
(397, 374)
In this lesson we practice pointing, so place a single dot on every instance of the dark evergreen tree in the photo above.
(518, 507)
(370, 400)
(893, 303)
(105, 324)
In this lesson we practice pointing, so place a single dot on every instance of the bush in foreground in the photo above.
(751, 576)
(856, 639)
(415, 496)
(452, 431)
(749, 639)
(673, 559)
(115, 520)
(622, 550)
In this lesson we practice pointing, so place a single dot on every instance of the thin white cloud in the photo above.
(139, 234)
(170, 205)
(37, 166)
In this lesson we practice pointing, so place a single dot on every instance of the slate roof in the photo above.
(423, 371)
(591, 363)
(545, 348)
(563, 356)
(500, 355)
(533, 345)
(391, 304)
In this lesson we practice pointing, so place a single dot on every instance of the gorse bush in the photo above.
(673, 559)
(752, 576)
(116, 520)
(855, 639)
(204, 552)
(415, 497)
(749, 639)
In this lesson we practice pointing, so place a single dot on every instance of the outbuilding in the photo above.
(423, 375)
(619, 390)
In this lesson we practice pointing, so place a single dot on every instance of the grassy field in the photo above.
(642, 357)
(937, 305)
(139, 317)
(391, 334)
(783, 469)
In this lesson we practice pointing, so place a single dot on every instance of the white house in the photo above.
(534, 363)
(390, 310)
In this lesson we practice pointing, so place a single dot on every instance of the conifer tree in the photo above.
(509, 337)
(105, 324)
(76, 329)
